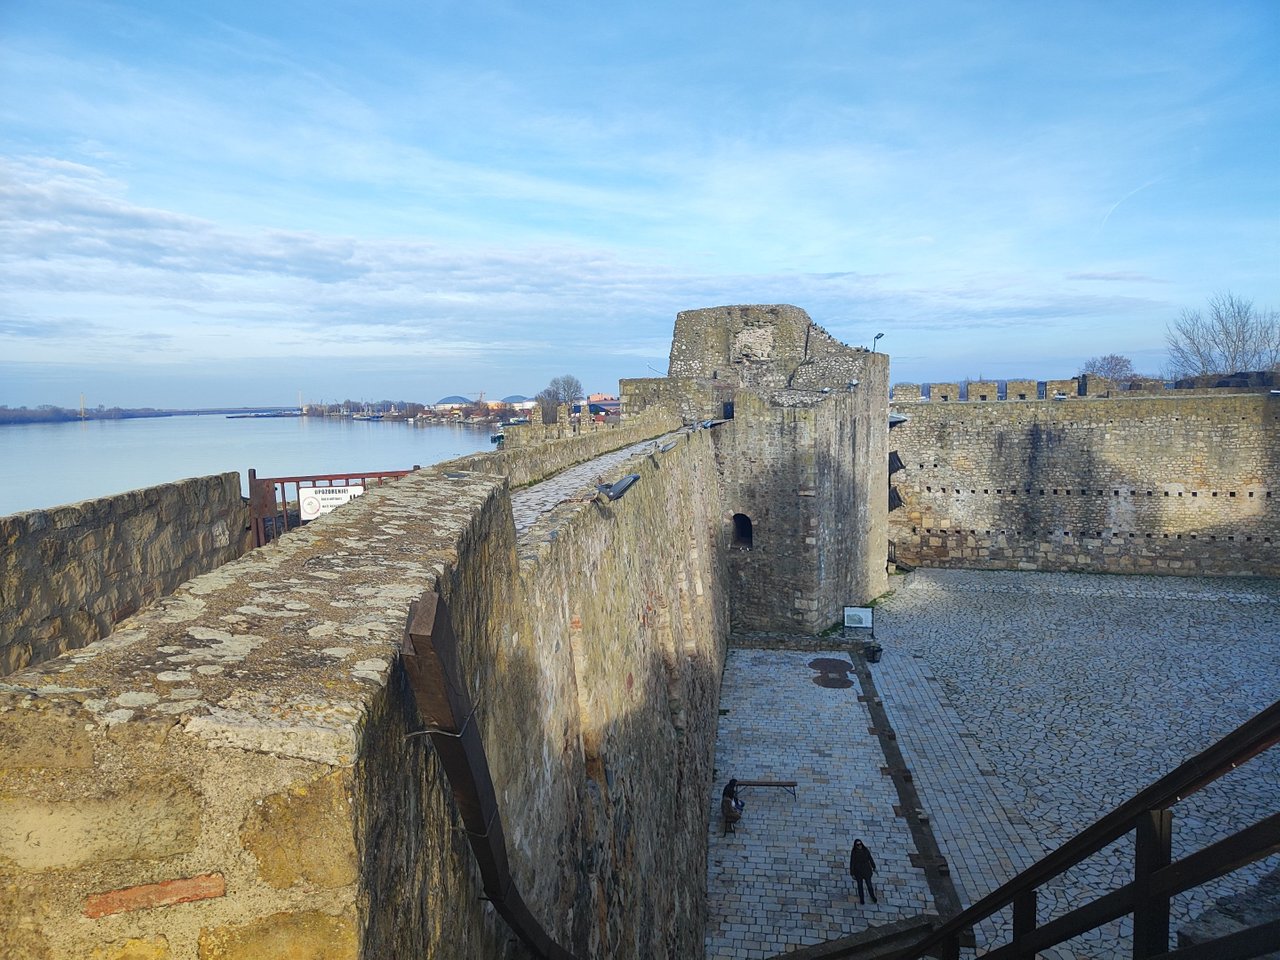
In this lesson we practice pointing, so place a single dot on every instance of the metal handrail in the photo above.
(429, 652)
(1160, 880)
(269, 496)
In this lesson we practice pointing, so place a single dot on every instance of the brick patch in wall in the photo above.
(148, 895)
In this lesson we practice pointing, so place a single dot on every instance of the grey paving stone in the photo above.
(1026, 706)
(781, 880)
(1080, 690)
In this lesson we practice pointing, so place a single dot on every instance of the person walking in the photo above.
(861, 867)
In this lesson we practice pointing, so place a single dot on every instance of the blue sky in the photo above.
(234, 202)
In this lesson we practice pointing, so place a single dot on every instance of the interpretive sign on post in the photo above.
(859, 617)
(315, 501)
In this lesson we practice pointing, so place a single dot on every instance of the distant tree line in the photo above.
(47, 413)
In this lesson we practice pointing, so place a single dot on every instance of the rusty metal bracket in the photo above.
(430, 656)
(429, 730)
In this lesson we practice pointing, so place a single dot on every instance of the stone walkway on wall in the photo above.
(528, 504)
(1026, 706)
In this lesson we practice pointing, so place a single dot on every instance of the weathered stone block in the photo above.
(22, 918)
(45, 739)
(151, 948)
(282, 936)
(304, 834)
(144, 820)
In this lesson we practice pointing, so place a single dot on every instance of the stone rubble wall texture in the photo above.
(233, 773)
(691, 399)
(813, 481)
(1018, 390)
(764, 348)
(71, 573)
(1151, 484)
(627, 608)
(804, 459)
(536, 431)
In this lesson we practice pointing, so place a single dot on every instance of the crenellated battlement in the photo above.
(1082, 386)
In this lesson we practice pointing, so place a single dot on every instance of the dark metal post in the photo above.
(1024, 920)
(1153, 848)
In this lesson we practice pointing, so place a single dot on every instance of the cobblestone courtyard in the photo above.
(1026, 705)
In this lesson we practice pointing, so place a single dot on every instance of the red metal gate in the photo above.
(273, 512)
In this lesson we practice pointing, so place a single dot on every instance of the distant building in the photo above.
(454, 402)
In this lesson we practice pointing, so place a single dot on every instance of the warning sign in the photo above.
(320, 500)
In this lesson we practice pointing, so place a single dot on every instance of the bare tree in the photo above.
(562, 389)
(567, 388)
(1110, 367)
(1232, 338)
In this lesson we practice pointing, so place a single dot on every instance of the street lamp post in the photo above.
(873, 341)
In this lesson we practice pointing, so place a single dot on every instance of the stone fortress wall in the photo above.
(529, 456)
(234, 773)
(240, 771)
(1169, 482)
(801, 455)
(71, 573)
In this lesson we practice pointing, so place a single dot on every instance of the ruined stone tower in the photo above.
(800, 427)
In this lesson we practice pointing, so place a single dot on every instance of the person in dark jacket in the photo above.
(861, 867)
(730, 803)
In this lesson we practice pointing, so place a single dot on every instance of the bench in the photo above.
(784, 784)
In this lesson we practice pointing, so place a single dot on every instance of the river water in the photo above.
(48, 464)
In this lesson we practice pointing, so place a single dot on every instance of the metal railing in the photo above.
(1156, 877)
(272, 510)
(429, 653)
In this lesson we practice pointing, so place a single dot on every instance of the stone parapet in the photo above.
(689, 398)
(71, 573)
(982, 391)
(527, 462)
(239, 772)
(1056, 389)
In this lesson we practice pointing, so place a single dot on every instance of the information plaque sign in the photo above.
(316, 501)
(859, 617)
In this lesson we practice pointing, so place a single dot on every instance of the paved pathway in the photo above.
(781, 881)
(1026, 705)
(529, 504)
